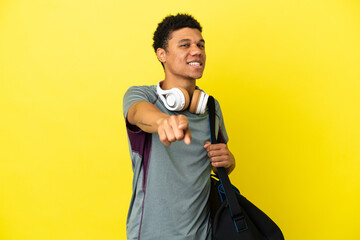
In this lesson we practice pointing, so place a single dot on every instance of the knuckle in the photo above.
(183, 117)
(165, 122)
(179, 136)
(173, 117)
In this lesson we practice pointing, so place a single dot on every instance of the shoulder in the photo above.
(217, 106)
(218, 110)
(138, 93)
(141, 90)
(146, 93)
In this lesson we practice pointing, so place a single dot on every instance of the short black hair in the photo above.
(172, 23)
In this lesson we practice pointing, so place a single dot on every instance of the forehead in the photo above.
(192, 34)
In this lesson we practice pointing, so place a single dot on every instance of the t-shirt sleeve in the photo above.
(222, 134)
(136, 94)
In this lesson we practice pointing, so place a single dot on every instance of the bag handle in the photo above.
(235, 210)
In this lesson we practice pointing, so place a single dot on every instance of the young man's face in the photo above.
(185, 55)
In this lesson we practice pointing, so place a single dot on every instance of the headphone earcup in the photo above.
(186, 96)
(195, 101)
(178, 99)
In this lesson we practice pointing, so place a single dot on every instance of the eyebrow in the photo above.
(187, 40)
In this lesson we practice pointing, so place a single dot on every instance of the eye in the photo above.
(185, 45)
(202, 46)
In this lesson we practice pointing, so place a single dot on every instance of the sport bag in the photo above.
(233, 216)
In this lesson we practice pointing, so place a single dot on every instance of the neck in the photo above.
(188, 84)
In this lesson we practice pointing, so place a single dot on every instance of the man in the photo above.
(169, 142)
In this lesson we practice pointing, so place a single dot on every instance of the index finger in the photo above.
(188, 137)
(216, 146)
(183, 122)
(176, 122)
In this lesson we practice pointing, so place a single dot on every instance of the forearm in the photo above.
(146, 116)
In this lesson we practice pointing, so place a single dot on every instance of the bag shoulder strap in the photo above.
(235, 210)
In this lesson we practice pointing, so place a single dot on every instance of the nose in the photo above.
(195, 50)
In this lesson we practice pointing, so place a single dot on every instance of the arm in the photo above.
(150, 119)
(220, 156)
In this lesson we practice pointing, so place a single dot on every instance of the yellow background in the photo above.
(285, 72)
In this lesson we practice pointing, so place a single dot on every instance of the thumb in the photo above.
(207, 144)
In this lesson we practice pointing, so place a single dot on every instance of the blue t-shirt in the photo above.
(171, 184)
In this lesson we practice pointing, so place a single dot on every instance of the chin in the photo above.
(196, 76)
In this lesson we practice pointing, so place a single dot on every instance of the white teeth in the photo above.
(194, 63)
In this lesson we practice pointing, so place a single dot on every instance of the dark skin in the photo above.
(184, 62)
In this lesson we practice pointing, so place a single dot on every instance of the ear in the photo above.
(161, 54)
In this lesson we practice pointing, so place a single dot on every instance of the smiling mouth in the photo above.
(194, 63)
